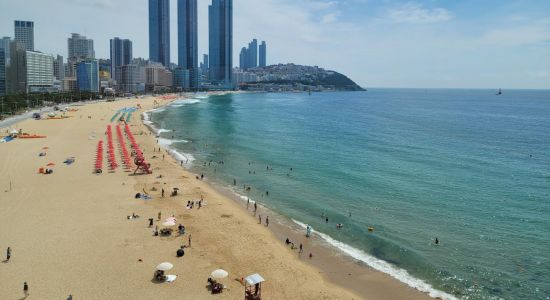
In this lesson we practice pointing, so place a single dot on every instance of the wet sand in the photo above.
(69, 231)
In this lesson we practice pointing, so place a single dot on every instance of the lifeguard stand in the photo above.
(253, 287)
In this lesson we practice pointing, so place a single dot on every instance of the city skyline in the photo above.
(402, 44)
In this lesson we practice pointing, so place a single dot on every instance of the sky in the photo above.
(385, 43)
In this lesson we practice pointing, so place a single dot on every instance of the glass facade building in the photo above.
(87, 76)
(24, 34)
(159, 31)
(263, 53)
(188, 51)
(2, 72)
(220, 21)
(121, 54)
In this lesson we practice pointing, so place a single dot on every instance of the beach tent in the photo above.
(168, 224)
(253, 287)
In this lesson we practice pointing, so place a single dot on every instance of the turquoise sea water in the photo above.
(466, 166)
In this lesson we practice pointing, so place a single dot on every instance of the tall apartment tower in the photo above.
(159, 31)
(220, 21)
(263, 52)
(121, 54)
(24, 34)
(80, 47)
(188, 51)
(253, 54)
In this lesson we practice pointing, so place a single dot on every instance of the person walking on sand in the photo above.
(8, 254)
(189, 239)
(25, 289)
(267, 221)
(247, 202)
(301, 249)
(255, 207)
(159, 216)
(259, 219)
(162, 193)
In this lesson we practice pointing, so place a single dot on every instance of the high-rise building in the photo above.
(121, 54)
(87, 76)
(59, 68)
(243, 56)
(24, 34)
(220, 20)
(248, 58)
(39, 71)
(159, 31)
(5, 44)
(263, 54)
(2, 71)
(253, 54)
(80, 48)
(16, 71)
(205, 61)
(188, 51)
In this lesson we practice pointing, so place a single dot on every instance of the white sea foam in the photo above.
(182, 102)
(163, 130)
(382, 266)
(186, 158)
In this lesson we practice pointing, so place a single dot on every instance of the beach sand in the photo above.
(69, 231)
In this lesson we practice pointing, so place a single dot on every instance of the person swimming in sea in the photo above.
(436, 241)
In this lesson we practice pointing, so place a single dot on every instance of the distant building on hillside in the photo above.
(87, 76)
(263, 55)
(159, 31)
(248, 58)
(24, 34)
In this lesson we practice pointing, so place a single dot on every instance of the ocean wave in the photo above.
(186, 158)
(382, 266)
(163, 130)
(182, 102)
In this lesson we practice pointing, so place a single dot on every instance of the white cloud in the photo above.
(416, 14)
(329, 18)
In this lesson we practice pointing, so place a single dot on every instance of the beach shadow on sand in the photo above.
(5, 261)
(23, 298)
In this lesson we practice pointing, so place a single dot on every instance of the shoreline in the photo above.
(78, 221)
(344, 268)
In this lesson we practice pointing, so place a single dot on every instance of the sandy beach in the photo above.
(69, 232)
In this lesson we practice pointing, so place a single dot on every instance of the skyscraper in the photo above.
(243, 59)
(263, 53)
(253, 54)
(80, 47)
(5, 44)
(159, 31)
(2, 71)
(59, 68)
(188, 40)
(220, 20)
(121, 54)
(24, 34)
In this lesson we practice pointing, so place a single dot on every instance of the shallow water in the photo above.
(466, 166)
